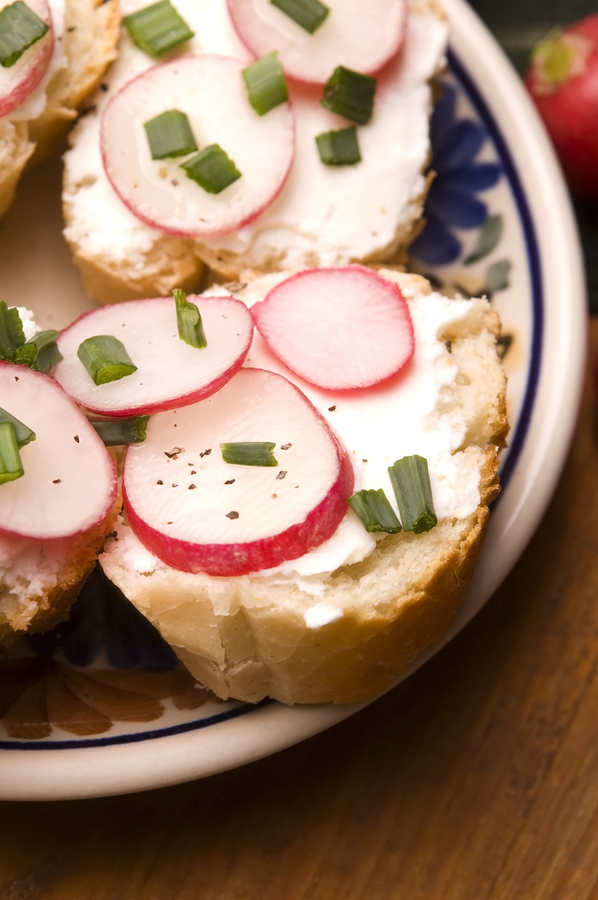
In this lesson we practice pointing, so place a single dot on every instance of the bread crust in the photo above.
(248, 637)
(41, 610)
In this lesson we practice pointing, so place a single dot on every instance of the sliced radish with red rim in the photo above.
(339, 329)
(20, 79)
(198, 513)
(169, 371)
(69, 481)
(211, 92)
(359, 34)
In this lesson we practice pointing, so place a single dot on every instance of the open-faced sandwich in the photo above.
(252, 139)
(307, 507)
(58, 484)
(52, 56)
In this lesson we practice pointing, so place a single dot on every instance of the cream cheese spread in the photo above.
(324, 215)
(411, 413)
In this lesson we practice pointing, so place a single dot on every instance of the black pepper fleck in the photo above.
(192, 487)
(230, 481)
(331, 408)
(205, 452)
(233, 514)
(57, 481)
(159, 481)
(77, 438)
(282, 474)
(285, 446)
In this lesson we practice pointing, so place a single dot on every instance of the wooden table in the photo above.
(477, 778)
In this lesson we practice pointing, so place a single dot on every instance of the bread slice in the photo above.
(86, 36)
(345, 634)
(311, 223)
(40, 580)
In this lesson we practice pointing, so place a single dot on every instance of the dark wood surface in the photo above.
(477, 778)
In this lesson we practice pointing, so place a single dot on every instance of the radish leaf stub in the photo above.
(158, 28)
(189, 321)
(169, 135)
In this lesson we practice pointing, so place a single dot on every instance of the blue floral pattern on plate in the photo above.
(452, 202)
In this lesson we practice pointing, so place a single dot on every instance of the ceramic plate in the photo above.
(96, 707)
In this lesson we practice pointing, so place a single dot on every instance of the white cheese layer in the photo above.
(408, 414)
(324, 214)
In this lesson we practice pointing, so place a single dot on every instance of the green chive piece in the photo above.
(122, 431)
(266, 84)
(411, 483)
(339, 148)
(24, 434)
(41, 353)
(350, 94)
(170, 135)
(11, 331)
(20, 28)
(375, 511)
(309, 14)
(212, 169)
(249, 453)
(158, 28)
(189, 321)
(11, 466)
(105, 358)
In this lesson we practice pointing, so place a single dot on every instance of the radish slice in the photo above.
(19, 80)
(200, 514)
(69, 483)
(210, 90)
(338, 328)
(359, 34)
(169, 372)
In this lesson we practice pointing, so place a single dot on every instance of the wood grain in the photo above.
(475, 780)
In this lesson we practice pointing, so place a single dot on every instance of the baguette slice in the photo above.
(40, 580)
(344, 635)
(312, 221)
(87, 40)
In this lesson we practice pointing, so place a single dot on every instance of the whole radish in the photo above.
(563, 82)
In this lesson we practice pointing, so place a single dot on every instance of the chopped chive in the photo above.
(170, 135)
(41, 353)
(157, 28)
(11, 466)
(105, 358)
(24, 434)
(375, 511)
(266, 84)
(189, 321)
(309, 14)
(249, 453)
(411, 483)
(20, 28)
(350, 94)
(122, 431)
(212, 169)
(11, 331)
(339, 148)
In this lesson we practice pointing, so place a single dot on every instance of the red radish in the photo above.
(210, 90)
(169, 372)
(19, 80)
(338, 328)
(563, 81)
(198, 513)
(360, 34)
(69, 483)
